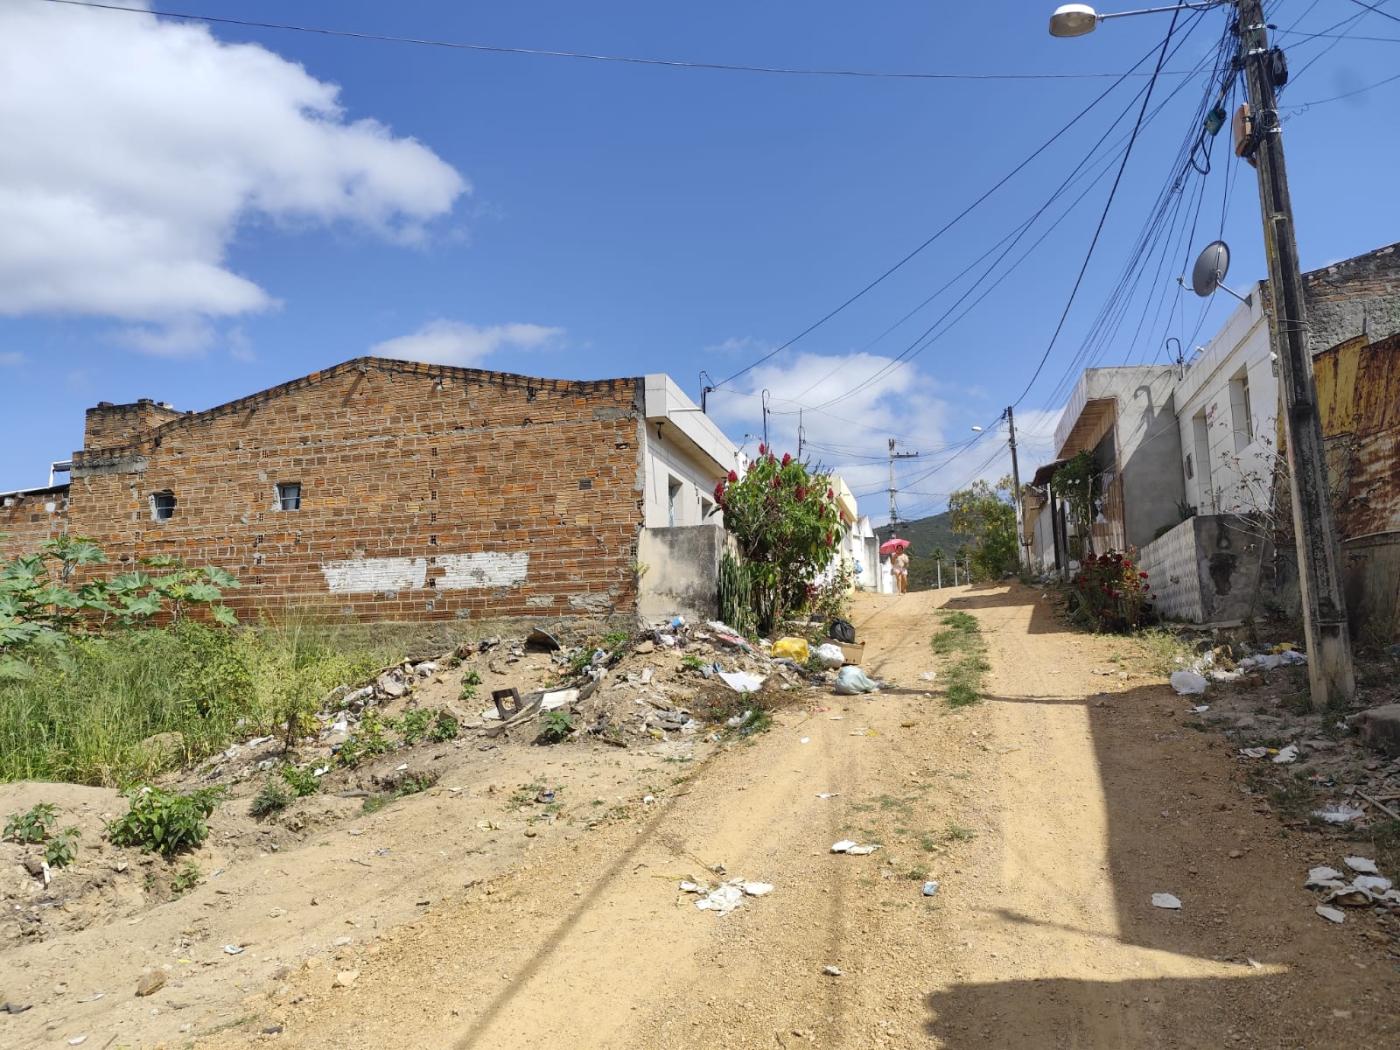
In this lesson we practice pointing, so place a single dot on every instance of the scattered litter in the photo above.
(1362, 865)
(1201, 709)
(853, 849)
(827, 794)
(805, 740)
(558, 698)
(1375, 885)
(1286, 755)
(77, 1040)
(742, 681)
(647, 800)
(232, 949)
(1339, 813)
(1324, 878)
(757, 889)
(541, 642)
(842, 846)
(727, 896)
(1166, 900)
(930, 887)
(830, 655)
(1254, 752)
(929, 676)
(400, 767)
(832, 971)
(1330, 914)
(792, 648)
(738, 720)
(852, 680)
(1188, 683)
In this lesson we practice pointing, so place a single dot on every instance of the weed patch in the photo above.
(165, 822)
(959, 642)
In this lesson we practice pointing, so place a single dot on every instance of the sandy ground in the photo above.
(1049, 814)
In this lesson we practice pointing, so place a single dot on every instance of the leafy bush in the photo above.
(272, 797)
(413, 725)
(165, 822)
(32, 826)
(1109, 593)
(831, 600)
(186, 879)
(302, 782)
(62, 848)
(366, 742)
(555, 728)
(987, 518)
(785, 520)
(445, 727)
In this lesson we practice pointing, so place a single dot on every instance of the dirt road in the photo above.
(1050, 814)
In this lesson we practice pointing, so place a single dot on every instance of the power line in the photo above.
(671, 63)
(1302, 107)
(1108, 204)
(941, 231)
(1376, 9)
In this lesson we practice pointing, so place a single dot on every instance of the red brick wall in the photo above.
(26, 521)
(427, 493)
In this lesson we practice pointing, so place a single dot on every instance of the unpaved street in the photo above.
(1050, 813)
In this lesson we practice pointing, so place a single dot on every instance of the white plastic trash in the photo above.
(1188, 683)
(851, 681)
(1166, 900)
(830, 655)
(1362, 864)
(1331, 914)
(1286, 755)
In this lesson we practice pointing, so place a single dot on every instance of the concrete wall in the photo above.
(681, 575)
(1205, 570)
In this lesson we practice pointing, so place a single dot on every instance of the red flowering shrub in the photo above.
(786, 524)
(1110, 593)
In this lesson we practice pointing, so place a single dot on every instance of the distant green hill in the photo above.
(925, 536)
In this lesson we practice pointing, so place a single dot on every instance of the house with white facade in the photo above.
(1207, 565)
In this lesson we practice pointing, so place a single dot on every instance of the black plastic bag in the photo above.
(842, 631)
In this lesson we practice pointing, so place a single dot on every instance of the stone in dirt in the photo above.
(1167, 901)
(391, 685)
(1362, 864)
(832, 971)
(1380, 728)
(150, 983)
(345, 978)
(1331, 914)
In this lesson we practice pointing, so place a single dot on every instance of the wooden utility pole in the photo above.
(1330, 674)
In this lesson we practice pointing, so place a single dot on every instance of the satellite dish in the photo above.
(1211, 267)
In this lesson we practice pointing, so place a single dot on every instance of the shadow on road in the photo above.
(1174, 808)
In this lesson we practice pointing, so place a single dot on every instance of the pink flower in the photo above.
(787, 458)
(733, 475)
(762, 449)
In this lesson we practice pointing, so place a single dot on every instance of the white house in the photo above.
(684, 455)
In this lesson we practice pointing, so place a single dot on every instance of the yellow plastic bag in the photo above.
(792, 648)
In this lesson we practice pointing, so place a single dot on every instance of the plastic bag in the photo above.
(852, 680)
(829, 655)
(792, 649)
(842, 631)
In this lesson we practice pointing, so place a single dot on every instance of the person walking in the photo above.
(901, 570)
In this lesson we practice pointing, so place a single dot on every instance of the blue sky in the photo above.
(192, 221)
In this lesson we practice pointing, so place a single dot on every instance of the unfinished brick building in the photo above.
(391, 490)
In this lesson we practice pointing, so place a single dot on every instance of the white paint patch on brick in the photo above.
(373, 575)
(464, 572)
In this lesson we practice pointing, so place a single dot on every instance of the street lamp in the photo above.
(1081, 19)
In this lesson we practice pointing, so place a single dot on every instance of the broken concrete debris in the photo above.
(853, 849)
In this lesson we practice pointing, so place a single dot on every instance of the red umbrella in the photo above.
(890, 546)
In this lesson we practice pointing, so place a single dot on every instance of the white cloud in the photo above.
(179, 337)
(11, 358)
(135, 149)
(851, 436)
(456, 343)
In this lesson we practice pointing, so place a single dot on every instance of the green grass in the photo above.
(83, 714)
(959, 642)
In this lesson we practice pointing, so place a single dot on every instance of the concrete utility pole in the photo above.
(894, 511)
(1330, 674)
(1015, 485)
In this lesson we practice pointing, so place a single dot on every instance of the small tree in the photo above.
(987, 518)
(784, 518)
(1074, 483)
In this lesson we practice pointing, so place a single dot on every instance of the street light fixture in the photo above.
(1082, 19)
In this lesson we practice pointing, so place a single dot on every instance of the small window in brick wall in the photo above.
(162, 505)
(289, 495)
